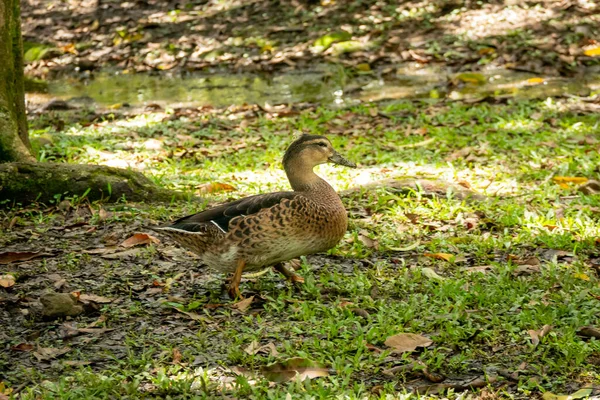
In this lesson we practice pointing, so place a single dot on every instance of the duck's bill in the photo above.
(338, 159)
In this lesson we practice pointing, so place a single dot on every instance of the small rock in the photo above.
(60, 305)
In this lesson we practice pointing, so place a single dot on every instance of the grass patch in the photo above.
(522, 257)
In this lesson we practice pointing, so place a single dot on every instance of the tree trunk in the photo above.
(14, 140)
(22, 180)
(28, 182)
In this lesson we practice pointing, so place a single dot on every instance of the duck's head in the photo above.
(309, 151)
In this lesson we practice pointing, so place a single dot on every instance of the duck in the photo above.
(265, 230)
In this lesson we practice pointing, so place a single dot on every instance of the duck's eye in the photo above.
(322, 144)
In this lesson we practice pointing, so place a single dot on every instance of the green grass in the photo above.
(478, 321)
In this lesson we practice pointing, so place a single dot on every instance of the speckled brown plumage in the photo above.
(267, 229)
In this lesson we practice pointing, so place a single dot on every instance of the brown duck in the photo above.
(266, 229)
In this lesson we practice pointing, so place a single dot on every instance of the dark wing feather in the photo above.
(223, 214)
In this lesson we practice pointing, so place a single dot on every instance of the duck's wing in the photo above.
(220, 216)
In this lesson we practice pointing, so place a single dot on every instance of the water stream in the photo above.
(325, 84)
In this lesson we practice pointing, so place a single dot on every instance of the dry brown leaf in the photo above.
(363, 237)
(404, 342)
(243, 304)
(192, 315)
(22, 347)
(537, 335)
(440, 256)
(294, 368)
(48, 353)
(138, 239)
(103, 215)
(16, 256)
(413, 218)
(176, 356)
(7, 281)
(589, 331)
(215, 187)
(86, 298)
(480, 268)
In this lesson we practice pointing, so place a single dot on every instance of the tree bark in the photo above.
(44, 182)
(14, 140)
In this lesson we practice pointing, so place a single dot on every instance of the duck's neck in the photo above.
(302, 177)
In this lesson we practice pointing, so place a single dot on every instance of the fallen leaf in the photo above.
(440, 256)
(69, 48)
(216, 187)
(592, 51)
(535, 81)
(76, 363)
(570, 179)
(12, 256)
(294, 368)
(103, 215)
(192, 315)
(404, 342)
(325, 41)
(139, 238)
(589, 331)
(580, 394)
(7, 281)
(480, 268)
(472, 77)
(243, 304)
(255, 348)
(121, 254)
(582, 276)
(590, 188)
(373, 348)
(527, 261)
(431, 274)
(176, 356)
(5, 392)
(367, 241)
(537, 335)
(48, 353)
(86, 298)
(22, 347)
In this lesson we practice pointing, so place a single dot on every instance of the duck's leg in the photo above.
(291, 276)
(234, 285)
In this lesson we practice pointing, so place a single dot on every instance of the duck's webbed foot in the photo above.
(289, 275)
